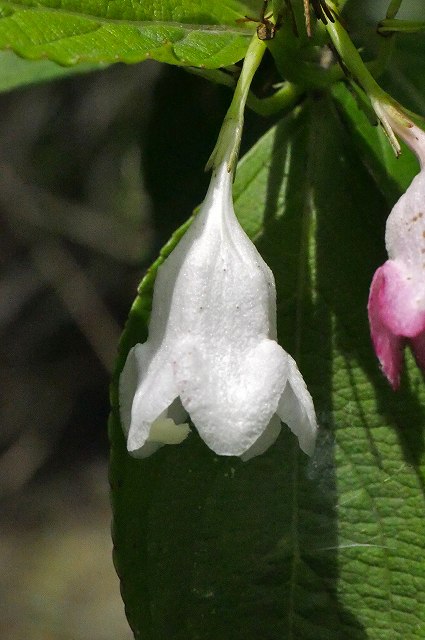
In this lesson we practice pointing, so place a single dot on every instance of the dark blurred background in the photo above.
(96, 171)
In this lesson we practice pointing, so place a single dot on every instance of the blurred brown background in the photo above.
(95, 173)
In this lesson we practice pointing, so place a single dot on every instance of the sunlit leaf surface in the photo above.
(202, 34)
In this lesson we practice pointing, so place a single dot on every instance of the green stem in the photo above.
(254, 55)
(352, 59)
(401, 26)
(229, 138)
(393, 8)
(283, 98)
(361, 74)
(286, 96)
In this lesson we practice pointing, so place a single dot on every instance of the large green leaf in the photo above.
(203, 33)
(282, 547)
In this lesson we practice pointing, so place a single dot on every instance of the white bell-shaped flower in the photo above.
(212, 351)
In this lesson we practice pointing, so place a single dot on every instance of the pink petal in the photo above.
(400, 299)
(388, 346)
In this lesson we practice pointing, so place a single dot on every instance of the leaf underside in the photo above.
(283, 547)
(201, 34)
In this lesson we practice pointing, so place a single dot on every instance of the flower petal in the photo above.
(396, 304)
(405, 229)
(397, 297)
(296, 409)
(388, 346)
(232, 401)
(267, 438)
(147, 389)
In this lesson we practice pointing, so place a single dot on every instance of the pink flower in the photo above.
(397, 295)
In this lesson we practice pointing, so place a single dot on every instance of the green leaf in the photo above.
(201, 34)
(404, 77)
(282, 547)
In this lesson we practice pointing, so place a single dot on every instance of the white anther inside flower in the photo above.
(212, 351)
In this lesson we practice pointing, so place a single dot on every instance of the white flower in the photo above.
(212, 350)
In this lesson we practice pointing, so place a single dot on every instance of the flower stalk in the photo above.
(354, 64)
(229, 138)
(393, 8)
